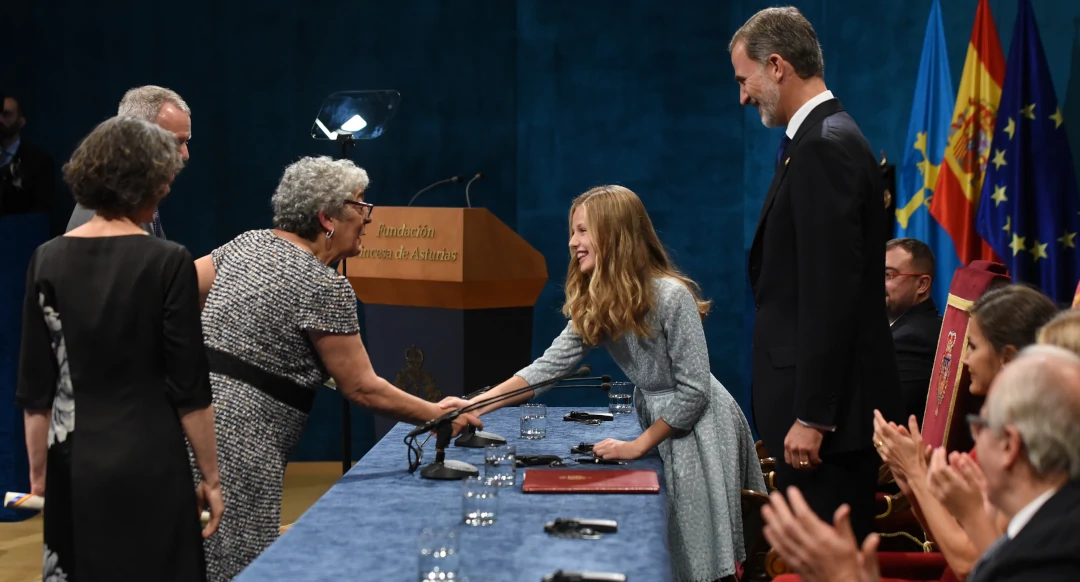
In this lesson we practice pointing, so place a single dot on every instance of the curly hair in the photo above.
(617, 296)
(122, 167)
(314, 184)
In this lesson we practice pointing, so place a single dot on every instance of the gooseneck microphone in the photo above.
(450, 180)
(469, 183)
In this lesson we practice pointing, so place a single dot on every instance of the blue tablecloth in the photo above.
(366, 526)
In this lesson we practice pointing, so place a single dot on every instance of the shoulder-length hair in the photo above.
(617, 296)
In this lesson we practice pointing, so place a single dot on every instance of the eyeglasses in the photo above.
(889, 275)
(370, 207)
(976, 424)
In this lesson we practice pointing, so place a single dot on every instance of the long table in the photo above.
(366, 526)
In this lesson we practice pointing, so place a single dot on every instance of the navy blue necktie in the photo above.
(784, 141)
(157, 224)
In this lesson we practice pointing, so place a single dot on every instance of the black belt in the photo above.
(281, 389)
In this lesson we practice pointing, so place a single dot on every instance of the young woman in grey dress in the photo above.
(623, 293)
(278, 322)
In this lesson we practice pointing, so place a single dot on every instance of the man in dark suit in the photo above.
(163, 107)
(26, 172)
(823, 357)
(913, 317)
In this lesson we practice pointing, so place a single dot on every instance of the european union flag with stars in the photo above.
(1029, 211)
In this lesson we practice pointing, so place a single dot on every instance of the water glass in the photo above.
(479, 501)
(621, 399)
(533, 421)
(500, 465)
(439, 559)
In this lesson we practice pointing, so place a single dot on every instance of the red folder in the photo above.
(590, 481)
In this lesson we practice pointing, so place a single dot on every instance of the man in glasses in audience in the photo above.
(913, 317)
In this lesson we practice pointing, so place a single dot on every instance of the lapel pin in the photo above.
(786, 161)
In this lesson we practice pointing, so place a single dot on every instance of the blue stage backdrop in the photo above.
(546, 97)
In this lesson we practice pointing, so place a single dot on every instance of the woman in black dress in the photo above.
(111, 330)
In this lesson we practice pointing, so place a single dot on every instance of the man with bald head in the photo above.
(168, 110)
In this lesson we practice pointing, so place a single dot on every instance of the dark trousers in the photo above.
(849, 478)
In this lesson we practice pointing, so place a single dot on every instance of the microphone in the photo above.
(474, 178)
(450, 180)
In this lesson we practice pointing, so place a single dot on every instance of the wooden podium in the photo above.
(448, 298)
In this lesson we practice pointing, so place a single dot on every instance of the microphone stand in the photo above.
(442, 469)
(474, 439)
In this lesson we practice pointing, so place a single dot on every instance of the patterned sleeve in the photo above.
(689, 355)
(331, 308)
(38, 370)
(564, 353)
(221, 255)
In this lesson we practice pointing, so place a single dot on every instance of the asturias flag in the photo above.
(928, 132)
(956, 196)
(1030, 206)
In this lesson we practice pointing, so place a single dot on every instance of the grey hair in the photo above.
(312, 184)
(146, 102)
(784, 31)
(1041, 400)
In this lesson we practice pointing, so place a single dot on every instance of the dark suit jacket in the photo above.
(822, 350)
(26, 184)
(81, 215)
(915, 335)
(1046, 550)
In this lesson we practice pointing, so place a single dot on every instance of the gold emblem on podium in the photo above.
(414, 379)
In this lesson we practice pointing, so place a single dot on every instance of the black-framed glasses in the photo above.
(976, 424)
(370, 207)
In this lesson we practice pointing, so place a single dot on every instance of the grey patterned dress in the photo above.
(267, 295)
(711, 457)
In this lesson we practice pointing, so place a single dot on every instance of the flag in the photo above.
(1076, 297)
(1029, 211)
(956, 194)
(928, 132)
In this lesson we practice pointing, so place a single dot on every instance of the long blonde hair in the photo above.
(617, 296)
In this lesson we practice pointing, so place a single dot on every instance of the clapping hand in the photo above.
(819, 552)
(957, 482)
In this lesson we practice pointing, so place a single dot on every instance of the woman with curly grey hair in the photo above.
(279, 322)
(111, 329)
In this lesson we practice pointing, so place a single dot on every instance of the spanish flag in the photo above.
(956, 195)
(1076, 298)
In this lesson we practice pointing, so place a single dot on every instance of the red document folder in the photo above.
(590, 481)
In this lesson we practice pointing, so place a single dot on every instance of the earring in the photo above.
(330, 233)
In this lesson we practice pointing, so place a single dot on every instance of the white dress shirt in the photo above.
(800, 115)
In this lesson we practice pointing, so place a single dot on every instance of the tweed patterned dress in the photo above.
(711, 457)
(267, 295)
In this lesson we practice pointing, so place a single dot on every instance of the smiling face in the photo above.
(581, 242)
(756, 87)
